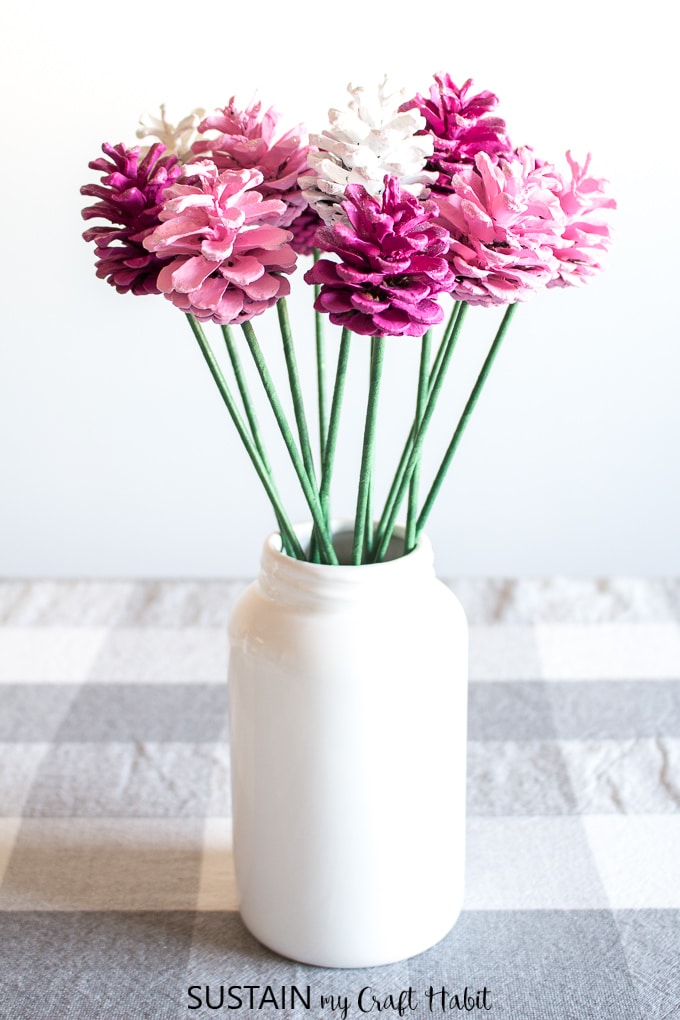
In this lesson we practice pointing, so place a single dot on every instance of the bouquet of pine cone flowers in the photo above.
(399, 207)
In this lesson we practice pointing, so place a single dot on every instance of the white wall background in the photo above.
(116, 455)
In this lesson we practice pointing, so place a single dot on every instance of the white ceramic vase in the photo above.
(348, 697)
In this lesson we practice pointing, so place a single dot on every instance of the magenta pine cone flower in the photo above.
(505, 219)
(461, 125)
(226, 256)
(303, 229)
(587, 235)
(392, 264)
(250, 139)
(130, 197)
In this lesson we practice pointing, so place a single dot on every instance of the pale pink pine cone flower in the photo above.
(373, 137)
(177, 138)
(505, 220)
(587, 235)
(226, 256)
(255, 139)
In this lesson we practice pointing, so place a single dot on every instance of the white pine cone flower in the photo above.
(177, 138)
(370, 139)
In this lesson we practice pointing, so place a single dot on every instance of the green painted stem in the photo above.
(414, 444)
(295, 389)
(250, 415)
(320, 368)
(369, 536)
(445, 339)
(408, 445)
(245, 394)
(465, 417)
(307, 487)
(423, 389)
(367, 453)
(299, 410)
(262, 472)
(333, 424)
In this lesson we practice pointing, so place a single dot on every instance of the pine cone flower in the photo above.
(226, 256)
(392, 264)
(303, 229)
(505, 219)
(587, 234)
(177, 138)
(130, 197)
(250, 139)
(372, 139)
(461, 125)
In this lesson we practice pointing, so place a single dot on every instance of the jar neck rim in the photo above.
(278, 570)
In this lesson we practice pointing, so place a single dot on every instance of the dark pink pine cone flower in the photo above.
(130, 197)
(392, 264)
(461, 125)
(252, 139)
(303, 229)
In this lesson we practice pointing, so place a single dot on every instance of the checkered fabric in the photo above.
(116, 884)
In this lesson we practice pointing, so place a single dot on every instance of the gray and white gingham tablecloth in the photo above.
(116, 885)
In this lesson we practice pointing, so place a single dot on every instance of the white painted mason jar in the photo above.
(348, 699)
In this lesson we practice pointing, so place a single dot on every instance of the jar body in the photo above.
(348, 698)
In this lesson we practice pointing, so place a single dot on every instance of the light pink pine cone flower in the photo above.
(587, 235)
(505, 219)
(226, 257)
(252, 139)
